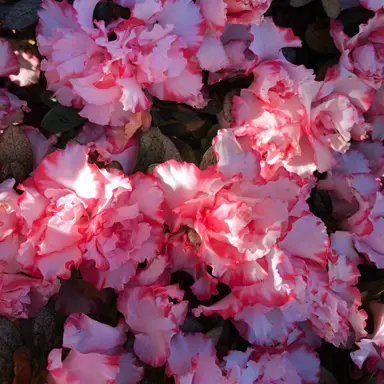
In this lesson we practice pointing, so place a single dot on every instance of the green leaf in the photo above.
(22, 14)
(61, 119)
(47, 99)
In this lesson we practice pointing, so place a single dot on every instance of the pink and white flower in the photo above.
(246, 12)
(352, 185)
(275, 112)
(247, 229)
(9, 65)
(96, 354)
(56, 205)
(153, 319)
(370, 353)
(11, 109)
(29, 69)
(22, 296)
(373, 5)
(125, 229)
(113, 143)
(362, 54)
(193, 359)
(296, 122)
(106, 77)
(297, 365)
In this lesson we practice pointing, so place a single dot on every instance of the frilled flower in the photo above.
(126, 228)
(299, 364)
(153, 318)
(22, 296)
(246, 229)
(9, 65)
(193, 360)
(275, 111)
(337, 115)
(363, 53)
(11, 109)
(96, 355)
(55, 205)
(106, 77)
(296, 122)
(245, 11)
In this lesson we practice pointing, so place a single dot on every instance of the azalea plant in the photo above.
(191, 191)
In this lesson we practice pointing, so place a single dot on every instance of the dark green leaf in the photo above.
(10, 341)
(208, 159)
(47, 99)
(155, 147)
(61, 119)
(22, 14)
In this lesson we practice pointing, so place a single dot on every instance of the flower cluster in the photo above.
(243, 229)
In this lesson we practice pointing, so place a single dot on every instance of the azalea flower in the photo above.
(153, 319)
(29, 69)
(9, 65)
(11, 109)
(238, 239)
(193, 359)
(362, 53)
(107, 77)
(55, 206)
(298, 364)
(96, 354)
(369, 355)
(124, 230)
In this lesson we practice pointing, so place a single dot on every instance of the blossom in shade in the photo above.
(153, 319)
(29, 69)
(369, 354)
(22, 296)
(11, 109)
(362, 53)
(9, 65)
(96, 354)
(193, 359)
(298, 364)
